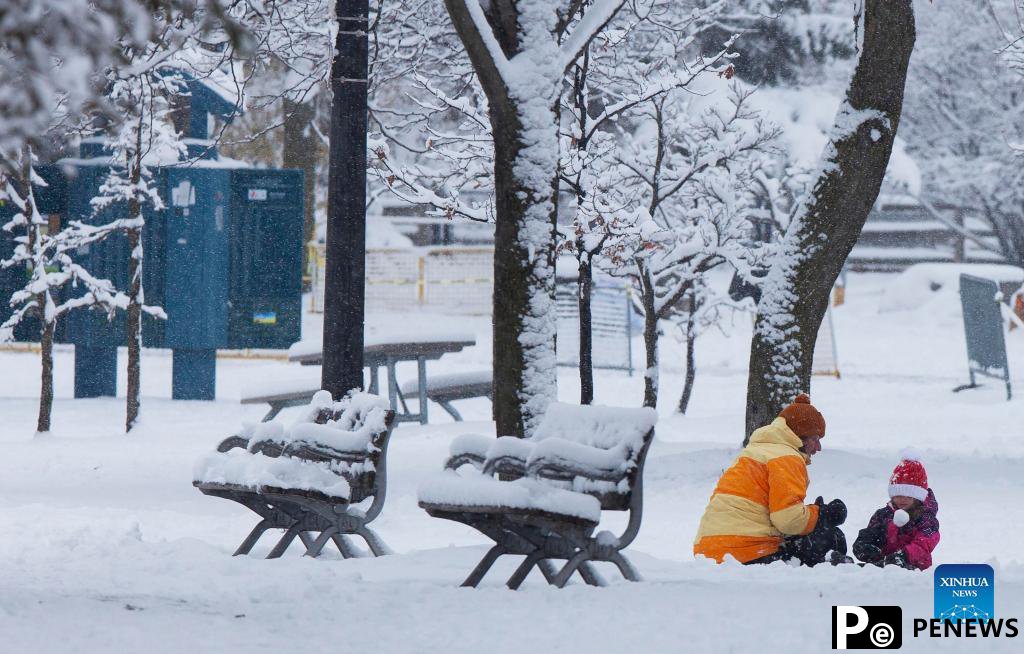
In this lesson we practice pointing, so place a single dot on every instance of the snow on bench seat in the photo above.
(479, 491)
(256, 471)
(602, 439)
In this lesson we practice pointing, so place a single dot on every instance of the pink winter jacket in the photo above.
(916, 539)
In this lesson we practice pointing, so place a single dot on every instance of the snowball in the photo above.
(900, 517)
(910, 454)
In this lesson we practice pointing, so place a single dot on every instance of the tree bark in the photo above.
(524, 283)
(650, 339)
(134, 322)
(585, 285)
(301, 151)
(824, 231)
(46, 386)
(691, 364)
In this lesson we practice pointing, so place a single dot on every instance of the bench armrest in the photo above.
(456, 461)
(267, 447)
(567, 470)
(231, 442)
(509, 465)
(311, 451)
(557, 458)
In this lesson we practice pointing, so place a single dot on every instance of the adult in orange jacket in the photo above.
(757, 513)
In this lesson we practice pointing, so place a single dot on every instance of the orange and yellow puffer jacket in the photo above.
(759, 499)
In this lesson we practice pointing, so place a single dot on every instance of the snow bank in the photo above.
(937, 285)
(255, 471)
(477, 490)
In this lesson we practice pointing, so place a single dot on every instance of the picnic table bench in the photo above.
(580, 461)
(380, 351)
(311, 479)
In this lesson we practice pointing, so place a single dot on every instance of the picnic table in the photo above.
(387, 350)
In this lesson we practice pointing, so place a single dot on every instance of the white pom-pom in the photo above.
(900, 517)
(910, 454)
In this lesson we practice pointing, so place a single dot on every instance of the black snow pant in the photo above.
(811, 549)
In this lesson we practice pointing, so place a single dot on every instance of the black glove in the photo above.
(867, 552)
(898, 558)
(832, 514)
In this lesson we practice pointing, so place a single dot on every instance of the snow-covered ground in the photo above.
(106, 547)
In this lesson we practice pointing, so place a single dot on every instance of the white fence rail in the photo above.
(460, 280)
(449, 279)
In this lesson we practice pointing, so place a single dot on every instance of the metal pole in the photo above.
(346, 204)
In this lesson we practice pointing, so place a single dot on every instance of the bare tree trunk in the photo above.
(585, 285)
(301, 151)
(650, 339)
(691, 364)
(46, 357)
(134, 323)
(524, 236)
(820, 238)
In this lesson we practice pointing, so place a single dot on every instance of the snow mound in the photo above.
(936, 286)
(476, 490)
(241, 468)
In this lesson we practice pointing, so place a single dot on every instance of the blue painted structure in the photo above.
(223, 259)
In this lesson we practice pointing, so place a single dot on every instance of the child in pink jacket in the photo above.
(906, 530)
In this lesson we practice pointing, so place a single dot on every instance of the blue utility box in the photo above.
(196, 291)
(265, 294)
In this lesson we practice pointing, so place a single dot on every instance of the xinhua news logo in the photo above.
(867, 627)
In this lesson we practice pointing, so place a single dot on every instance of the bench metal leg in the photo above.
(421, 371)
(591, 575)
(275, 408)
(447, 406)
(481, 568)
(625, 567)
(523, 571)
(253, 537)
(569, 568)
(285, 541)
(306, 539)
(548, 569)
(377, 546)
(345, 546)
(314, 549)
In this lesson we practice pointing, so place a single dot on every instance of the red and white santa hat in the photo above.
(909, 478)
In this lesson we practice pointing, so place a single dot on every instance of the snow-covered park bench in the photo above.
(443, 389)
(314, 480)
(580, 461)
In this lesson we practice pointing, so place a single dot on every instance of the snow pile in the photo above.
(476, 490)
(597, 426)
(936, 286)
(602, 441)
(241, 468)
